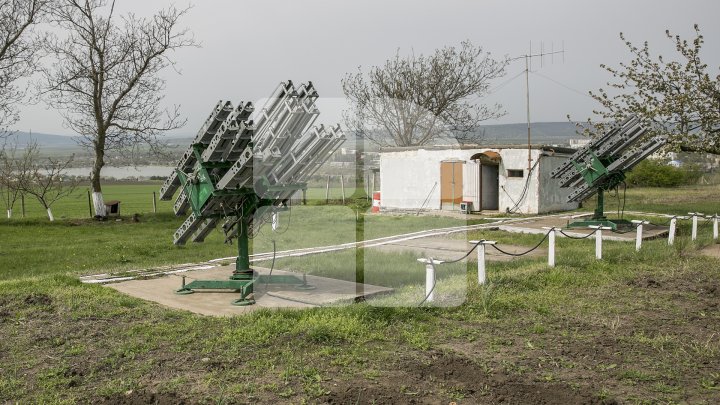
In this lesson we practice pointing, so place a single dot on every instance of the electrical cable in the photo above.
(523, 194)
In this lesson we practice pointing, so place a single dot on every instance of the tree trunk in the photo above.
(50, 215)
(97, 197)
(9, 213)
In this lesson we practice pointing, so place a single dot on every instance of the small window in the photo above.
(515, 173)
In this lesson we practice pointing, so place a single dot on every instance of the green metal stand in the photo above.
(599, 218)
(244, 277)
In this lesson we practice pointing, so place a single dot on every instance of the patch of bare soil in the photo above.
(663, 345)
(438, 378)
(142, 398)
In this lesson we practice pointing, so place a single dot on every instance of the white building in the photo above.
(491, 178)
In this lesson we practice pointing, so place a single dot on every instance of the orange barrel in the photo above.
(376, 202)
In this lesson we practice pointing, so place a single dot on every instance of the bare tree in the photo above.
(44, 179)
(677, 97)
(106, 78)
(12, 170)
(19, 51)
(415, 100)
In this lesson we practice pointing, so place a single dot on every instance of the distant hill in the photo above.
(540, 133)
(512, 134)
(43, 140)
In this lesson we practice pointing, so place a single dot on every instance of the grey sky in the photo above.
(250, 46)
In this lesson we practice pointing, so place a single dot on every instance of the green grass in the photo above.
(134, 198)
(634, 327)
(678, 201)
(35, 247)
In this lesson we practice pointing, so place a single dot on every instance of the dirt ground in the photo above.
(650, 339)
(574, 361)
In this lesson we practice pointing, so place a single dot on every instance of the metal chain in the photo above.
(526, 252)
(576, 237)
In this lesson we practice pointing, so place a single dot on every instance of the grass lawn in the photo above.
(634, 327)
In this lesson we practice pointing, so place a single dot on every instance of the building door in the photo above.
(488, 180)
(489, 187)
(451, 184)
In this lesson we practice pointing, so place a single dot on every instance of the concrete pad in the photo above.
(448, 249)
(218, 302)
(537, 225)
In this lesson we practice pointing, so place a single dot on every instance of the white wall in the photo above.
(407, 178)
(511, 187)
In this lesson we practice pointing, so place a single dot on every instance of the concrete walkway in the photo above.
(218, 302)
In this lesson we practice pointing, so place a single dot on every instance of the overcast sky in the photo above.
(248, 47)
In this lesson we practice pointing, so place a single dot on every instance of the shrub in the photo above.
(654, 173)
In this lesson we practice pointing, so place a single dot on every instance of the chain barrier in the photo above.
(527, 251)
(577, 237)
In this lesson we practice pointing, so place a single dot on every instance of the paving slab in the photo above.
(538, 225)
(447, 249)
(218, 302)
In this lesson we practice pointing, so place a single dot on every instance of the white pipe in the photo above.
(430, 281)
(551, 248)
(639, 235)
(598, 239)
(430, 277)
(481, 264)
(671, 233)
(481, 258)
(694, 227)
(715, 227)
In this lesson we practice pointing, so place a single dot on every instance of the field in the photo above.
(634, 327)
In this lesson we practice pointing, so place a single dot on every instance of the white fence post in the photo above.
(695, 216)
(598, 239)
(481, 258)
(430, 279)
(671, 233)
(551, 246)
(715, 227)
(673, 227)
(638, 237)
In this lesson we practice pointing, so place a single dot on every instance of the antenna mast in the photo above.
(528, 65)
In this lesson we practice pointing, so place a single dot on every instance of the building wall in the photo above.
(552, 197)
(411, 178)
(408, 178)
(511, 188)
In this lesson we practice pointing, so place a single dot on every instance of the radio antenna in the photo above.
(528, 57)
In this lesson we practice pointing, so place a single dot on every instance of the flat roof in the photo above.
(548, 148)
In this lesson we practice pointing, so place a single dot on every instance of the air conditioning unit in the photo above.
(466, 207)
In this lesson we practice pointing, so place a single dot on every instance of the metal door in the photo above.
(451, 181)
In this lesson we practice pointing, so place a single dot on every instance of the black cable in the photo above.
(622, 214)
(526, 252)
(466, 254)
(272, 266)
(523, 194)
(575, 237)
